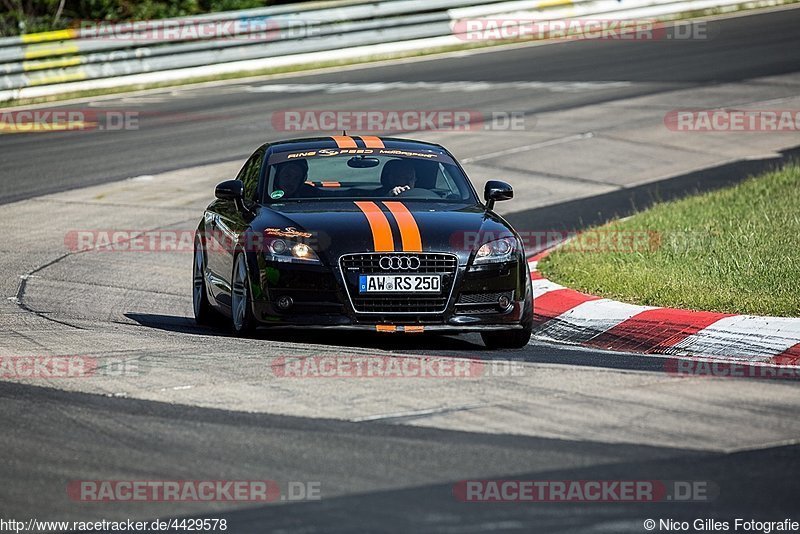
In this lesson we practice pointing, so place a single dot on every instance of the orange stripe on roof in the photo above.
(409, 231)
(379, 224)
(371, 141)
(385, 328)
(344, 141)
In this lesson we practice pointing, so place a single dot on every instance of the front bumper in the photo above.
(320, 299)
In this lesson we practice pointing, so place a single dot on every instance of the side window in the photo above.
(446, 182)
(442, 181)
(249, 176)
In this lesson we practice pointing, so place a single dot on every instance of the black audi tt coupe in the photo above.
(366, 233)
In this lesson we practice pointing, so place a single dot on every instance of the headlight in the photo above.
(285, 250)
(496, 251)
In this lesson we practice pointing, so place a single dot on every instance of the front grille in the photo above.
(354, 265)
(429, 263)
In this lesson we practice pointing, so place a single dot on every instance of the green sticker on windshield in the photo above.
(276, 194)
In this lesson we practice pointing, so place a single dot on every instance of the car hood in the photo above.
(338, 228)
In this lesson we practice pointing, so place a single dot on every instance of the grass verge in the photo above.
(735, 250)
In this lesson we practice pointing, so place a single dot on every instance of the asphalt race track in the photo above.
(386, 453)
(180, 133)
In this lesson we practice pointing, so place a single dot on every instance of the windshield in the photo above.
(358, 174)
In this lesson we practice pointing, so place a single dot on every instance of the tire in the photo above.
(204, 314)
(243, 323)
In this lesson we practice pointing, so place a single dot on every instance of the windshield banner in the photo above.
(280, 157)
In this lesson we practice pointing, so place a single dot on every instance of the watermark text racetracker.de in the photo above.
(108, 120)
(733, 120)
(606, 491)
(398, 120)
(128, 240)
(391, 367)
(598, 240)
(263, 491)
(700, 367)
(525, 29)
(252, 29)
(182, 241)
(64, 120)
(54, 367)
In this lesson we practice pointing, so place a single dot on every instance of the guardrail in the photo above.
(102, 56)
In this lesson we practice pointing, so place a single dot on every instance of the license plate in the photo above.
(399, 283)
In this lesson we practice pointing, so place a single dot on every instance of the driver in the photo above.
(290, 177)
(398, 176)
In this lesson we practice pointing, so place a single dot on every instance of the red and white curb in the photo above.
(564, 315)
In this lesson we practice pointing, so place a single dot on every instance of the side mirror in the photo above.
(230, 190)
(234, 190)
(496, 190)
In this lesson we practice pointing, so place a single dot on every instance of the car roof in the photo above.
(346, 141)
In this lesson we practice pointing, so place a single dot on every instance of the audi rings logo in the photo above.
(399, 263)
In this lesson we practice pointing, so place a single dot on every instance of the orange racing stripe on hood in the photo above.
(381, 231)
(409, 231)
